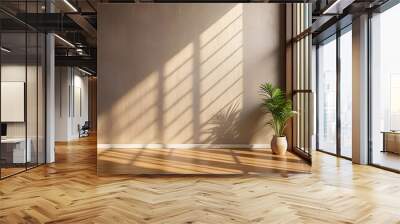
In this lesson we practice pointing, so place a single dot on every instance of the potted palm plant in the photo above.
(276, 103)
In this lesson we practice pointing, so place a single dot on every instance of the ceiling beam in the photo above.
(83, 61)
(337, 7)
(84, 24)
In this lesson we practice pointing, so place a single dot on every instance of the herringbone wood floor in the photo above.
(70, 192)
(198, 161)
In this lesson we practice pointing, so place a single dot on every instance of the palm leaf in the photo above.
(275, 102)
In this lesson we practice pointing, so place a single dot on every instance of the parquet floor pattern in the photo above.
(71, 192)
(197, 162)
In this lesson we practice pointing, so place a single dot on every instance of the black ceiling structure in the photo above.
(75, 28)
(75, 22)
(332, 16)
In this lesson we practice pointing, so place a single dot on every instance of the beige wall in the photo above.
(71, 102)
(186, 73)
(19, 73)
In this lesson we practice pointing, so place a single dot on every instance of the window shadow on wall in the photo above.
(187, 80)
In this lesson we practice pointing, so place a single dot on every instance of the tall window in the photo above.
(346, 93)
(385, 88)
(327, 96)
(334, 83)
(302, 98)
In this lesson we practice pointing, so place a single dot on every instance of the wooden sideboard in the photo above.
(391, 141)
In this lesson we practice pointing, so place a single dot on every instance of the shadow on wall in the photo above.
(224, 125)
(186, 73)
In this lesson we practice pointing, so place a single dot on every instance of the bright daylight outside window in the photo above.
(327, 96)
(385, 89)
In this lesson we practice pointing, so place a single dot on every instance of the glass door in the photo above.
(22, 92)
(14, 153)
(334, 94)
(384, 111)
(326, 96)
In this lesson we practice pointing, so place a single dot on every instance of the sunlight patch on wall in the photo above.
(191, 77)
(141, 119)
(221, 24)
(178, 95)
(221, 75)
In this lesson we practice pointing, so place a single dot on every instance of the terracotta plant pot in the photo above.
(279, 145)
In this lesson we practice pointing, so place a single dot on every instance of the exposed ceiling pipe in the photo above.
(65, 41)
(70, 6)
(84, 71)
(337, 7)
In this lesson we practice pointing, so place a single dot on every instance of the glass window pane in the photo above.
(41, 98)
(32, 89)
(327, 96)
(31, 97)
(22, 90)
(15, 151)
(346, 94)
(385, 89)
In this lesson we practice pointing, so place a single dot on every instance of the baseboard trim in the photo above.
(183, 146)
